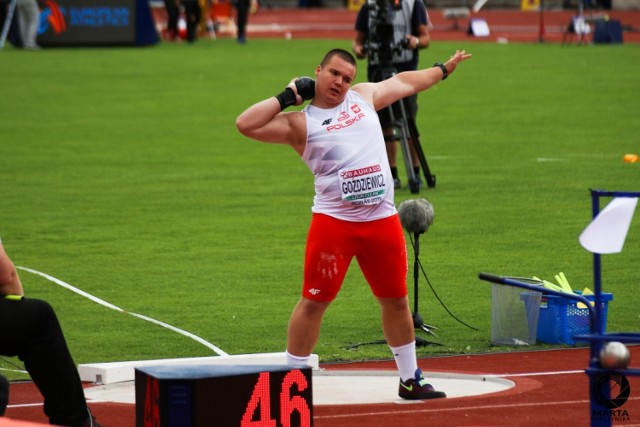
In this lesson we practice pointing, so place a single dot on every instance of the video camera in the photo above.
(381, 45)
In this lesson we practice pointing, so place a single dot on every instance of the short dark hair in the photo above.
(343, 54)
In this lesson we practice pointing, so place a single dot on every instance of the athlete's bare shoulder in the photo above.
(365, 90)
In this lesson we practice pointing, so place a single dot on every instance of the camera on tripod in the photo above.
(381, 46)
(388, 45)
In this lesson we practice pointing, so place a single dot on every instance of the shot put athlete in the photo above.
(339, 137)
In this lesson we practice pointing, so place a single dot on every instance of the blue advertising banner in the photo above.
(96, 22)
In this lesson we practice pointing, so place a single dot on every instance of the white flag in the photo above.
(608, 230)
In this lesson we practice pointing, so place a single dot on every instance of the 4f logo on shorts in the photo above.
(314, 291)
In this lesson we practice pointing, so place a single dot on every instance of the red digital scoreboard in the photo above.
(224, 395)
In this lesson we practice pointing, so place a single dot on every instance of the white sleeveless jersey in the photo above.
(346, 153)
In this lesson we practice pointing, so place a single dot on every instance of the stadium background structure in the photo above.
(535, 373)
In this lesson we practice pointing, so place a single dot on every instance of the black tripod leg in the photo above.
(398, 117)
(428, 176)
(405, 134)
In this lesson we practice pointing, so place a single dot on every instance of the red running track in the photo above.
(551, 388)
(504, 25)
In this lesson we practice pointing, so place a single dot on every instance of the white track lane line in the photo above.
(459, 409)
(25, 405)
(534, 374)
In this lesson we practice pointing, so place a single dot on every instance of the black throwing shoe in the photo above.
(417, 388)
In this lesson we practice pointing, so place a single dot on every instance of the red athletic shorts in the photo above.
(379, 246)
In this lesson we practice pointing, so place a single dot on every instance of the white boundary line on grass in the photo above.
(19, 371)
(104, 303)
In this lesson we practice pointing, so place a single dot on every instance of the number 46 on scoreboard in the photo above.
(294, 408)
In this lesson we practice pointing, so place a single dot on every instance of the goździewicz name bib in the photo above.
(362, 185)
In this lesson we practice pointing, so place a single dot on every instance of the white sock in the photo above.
(297, 360)
(406, 361)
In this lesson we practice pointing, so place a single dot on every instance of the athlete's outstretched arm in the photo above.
(407, 83)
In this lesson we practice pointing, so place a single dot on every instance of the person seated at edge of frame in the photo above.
(30, 330)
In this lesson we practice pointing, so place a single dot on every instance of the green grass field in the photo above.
(122, 174)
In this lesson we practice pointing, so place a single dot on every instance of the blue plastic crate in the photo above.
(560, 318)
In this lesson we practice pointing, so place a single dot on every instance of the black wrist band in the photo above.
(445, 73)
(286, 98)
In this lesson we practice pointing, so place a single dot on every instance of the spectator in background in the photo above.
(29, 19)
(410, 27)
(193, 14)
(242, 17)
(30, 330)
(173, 13)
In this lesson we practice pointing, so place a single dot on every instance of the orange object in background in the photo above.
(221, 13)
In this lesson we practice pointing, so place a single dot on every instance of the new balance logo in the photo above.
(314, 291)
(326, 122)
